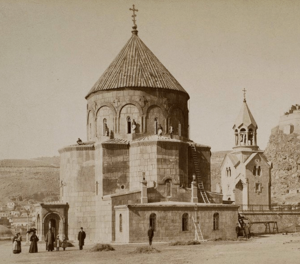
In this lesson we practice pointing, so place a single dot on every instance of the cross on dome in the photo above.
(134, 15)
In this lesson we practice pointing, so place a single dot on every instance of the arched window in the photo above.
(105, 128)
(250, 137)
(152, 221)
(243, 136)
(185, 221)
(216, 221)
(120, 223)
(254, 170)
(168, 187)
(128, 125)
(258, 171)
(228, 171)
(155, 125)
(258, 187)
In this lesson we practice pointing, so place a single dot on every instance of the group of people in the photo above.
(17, 239)
(51, 241)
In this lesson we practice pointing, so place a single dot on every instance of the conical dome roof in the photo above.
(136, 66)
(245, 117)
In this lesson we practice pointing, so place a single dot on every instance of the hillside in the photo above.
(216, 160)
(284, 152)
(34, 180)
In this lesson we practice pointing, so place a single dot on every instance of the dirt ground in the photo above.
(263, 249)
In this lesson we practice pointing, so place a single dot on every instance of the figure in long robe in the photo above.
(50, 238)
(150, 235)
(33, 245)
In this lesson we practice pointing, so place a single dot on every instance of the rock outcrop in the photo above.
(284, 152)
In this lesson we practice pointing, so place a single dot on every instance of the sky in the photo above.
(53, 51)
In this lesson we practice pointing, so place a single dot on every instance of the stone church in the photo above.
(245, 171)
(138, 167)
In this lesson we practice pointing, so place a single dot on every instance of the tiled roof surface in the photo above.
(136, 66)
(234, 159)
(245, 117)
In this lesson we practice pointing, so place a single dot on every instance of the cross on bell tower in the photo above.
(244, 90)
(134, 31)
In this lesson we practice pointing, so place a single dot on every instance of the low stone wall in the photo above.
(169, 223)
(287, 221)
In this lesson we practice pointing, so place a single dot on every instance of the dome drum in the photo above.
(130, 111)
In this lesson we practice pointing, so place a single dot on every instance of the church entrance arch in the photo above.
(53, 221)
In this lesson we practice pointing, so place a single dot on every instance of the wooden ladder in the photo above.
(198, 174)
(198, 232)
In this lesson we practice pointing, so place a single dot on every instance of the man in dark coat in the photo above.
(81, 237)
(150, 235)
(50, 238)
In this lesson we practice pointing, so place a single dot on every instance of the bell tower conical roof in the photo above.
(136, 67)
(245, 117)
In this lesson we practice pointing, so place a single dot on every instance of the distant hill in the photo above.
(33, 180)
(216, 161)
(39, 162)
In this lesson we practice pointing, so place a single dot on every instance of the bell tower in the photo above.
(245, 128)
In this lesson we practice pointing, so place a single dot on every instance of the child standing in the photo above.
(58, 243)
(64, 243)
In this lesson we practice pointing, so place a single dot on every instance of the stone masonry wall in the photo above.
(143, 159)
(288, 221)
(77, 175)
(290, 123)
(123, 199)
(169, 223)
(172, 162)
(159, 194)
(115, 168)
(261, 197)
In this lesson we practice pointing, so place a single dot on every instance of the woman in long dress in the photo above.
(33, 245)
(17, 243)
